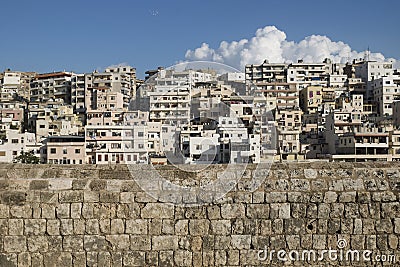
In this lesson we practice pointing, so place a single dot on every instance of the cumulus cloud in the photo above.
(271, 43)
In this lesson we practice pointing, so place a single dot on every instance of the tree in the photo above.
(27, 158)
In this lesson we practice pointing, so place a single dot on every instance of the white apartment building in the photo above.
(171, 107)
(337, 81)
(11, 118)
(124, 140)
(12, 143)
(305, 74)
(236, 145)
(113, 144)
(369, 71)
(266, 72)
(385, 91)
(363, 143)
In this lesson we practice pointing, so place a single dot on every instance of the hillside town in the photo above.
(272, 111)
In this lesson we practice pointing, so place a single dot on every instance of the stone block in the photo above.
(35, 226)
(53, 227)
(15, 244)
(233, 211)
(199, 227)
(15, 227)
(158, 211)
(119, 242)
(117, 226)
(37, 243)
(136, 227)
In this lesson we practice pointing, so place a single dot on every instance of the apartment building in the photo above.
(385, 91)
(235, 144)
(199, 144)
(15, 85)
(11, 118)
(56, 85)
(78, 93)
(116, 79)
(304, 74)
(64, 150)
(266, 72)
(368, 71)
(171, 107)
(363, 143)
(122, 141)
(12, 143)
(52, 118)
(311, 99)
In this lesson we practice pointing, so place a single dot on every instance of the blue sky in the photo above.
(83, 35)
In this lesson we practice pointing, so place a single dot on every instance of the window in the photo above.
(198, 147)
(141, 146)
(53, 150)
(140, 134)
(15, 153)
(41, 126)
(14, 141)
(77, 151)
(105, 157)
(64, 151)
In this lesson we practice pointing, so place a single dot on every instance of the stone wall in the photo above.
(98, 216)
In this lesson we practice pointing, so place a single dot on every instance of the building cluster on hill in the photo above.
(272, 111)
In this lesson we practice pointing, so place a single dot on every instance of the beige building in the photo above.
(15, 85)
(11, 118)
(56, 85)
(52, 118)
(117, 79)
(311, 99)
(65, 150)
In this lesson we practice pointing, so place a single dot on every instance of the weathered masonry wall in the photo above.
(98, 216)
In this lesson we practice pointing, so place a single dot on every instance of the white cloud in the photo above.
(270, 43)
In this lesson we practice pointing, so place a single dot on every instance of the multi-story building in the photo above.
(304, 74)
(236, 145)
(124, 141)
(266, 72)
(363, 143)
(11, 118)
(386, 90)
(56, 85)
(78, 93)
(311, 99)
(52, 118)
(15, 85)
(119, 80)
(12, 143)
(64, 150)
(171, 107)
(369, 71)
